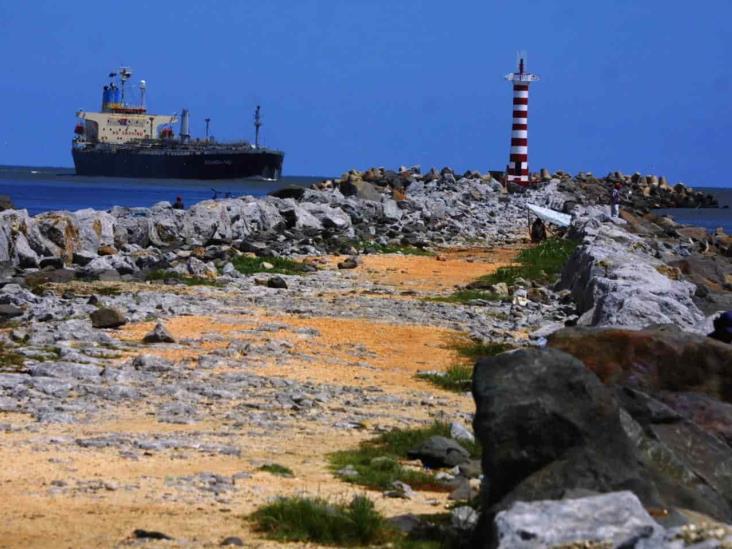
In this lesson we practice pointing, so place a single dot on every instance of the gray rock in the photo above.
(151, 363)
(400, 489)
(618, 519)
(437, 451)
(107, 317)
(464, 518)
(459, 432)
(158, 335)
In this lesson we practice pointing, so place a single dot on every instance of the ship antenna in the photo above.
(207, 120)
(257, 125)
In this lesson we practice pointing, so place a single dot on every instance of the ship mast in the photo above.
(257, 125)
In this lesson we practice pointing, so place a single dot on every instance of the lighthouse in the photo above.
(517, 170)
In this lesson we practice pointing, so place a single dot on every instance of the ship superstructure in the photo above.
(124, 140)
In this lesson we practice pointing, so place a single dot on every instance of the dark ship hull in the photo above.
(212, 162)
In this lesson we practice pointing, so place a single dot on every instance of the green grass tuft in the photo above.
(464, 296)
(541, 263)
(251, 265)
(10, 361)
(317, 520)
(459, 377)
(277, 469)
(377, 461)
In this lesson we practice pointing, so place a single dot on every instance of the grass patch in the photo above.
(251, 265)
(277, 469)
(108, 290)
(161, 274)
(459, 377)
(352, 524)
(377, 461)
(476, 349)
(10, 361)
(465, 296)
(541, 263)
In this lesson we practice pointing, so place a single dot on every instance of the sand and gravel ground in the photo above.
(54, 493)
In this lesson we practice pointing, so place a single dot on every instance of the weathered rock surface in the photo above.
(616, 280)
(656, 358)
(616, 519)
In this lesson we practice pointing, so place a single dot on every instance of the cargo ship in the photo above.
(124, 140)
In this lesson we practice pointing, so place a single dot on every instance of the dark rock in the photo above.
(233, 541)
(107, 317)
(158, 335)
(149, 534)
(8, 311)
(277, 282)
(547, 424)
(360, 189)
(260, 249)
(6, 203)
(56, 276)
(348, 263)
(656, 358)
(437, 451)
(52, 262)
(289, 192)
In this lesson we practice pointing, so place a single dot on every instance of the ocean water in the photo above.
(42, 189)
(709, 218)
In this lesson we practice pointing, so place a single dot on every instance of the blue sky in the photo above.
(626, 84)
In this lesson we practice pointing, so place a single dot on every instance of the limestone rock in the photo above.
(617, 519)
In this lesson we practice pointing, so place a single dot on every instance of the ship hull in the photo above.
(178, 164)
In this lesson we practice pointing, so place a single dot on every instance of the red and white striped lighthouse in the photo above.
(517, 170)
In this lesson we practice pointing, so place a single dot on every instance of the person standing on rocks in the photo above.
(178, 205)
(723, 328)
(615, 201)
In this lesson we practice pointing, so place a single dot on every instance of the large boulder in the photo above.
(548, 425)
(55, 234)
(96, 230)
(207, 222)
(655, 358)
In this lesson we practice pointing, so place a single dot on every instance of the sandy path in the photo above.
(56, 494)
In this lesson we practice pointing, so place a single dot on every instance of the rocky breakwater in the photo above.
(126, 241)
(638, 192)
(617, 279)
